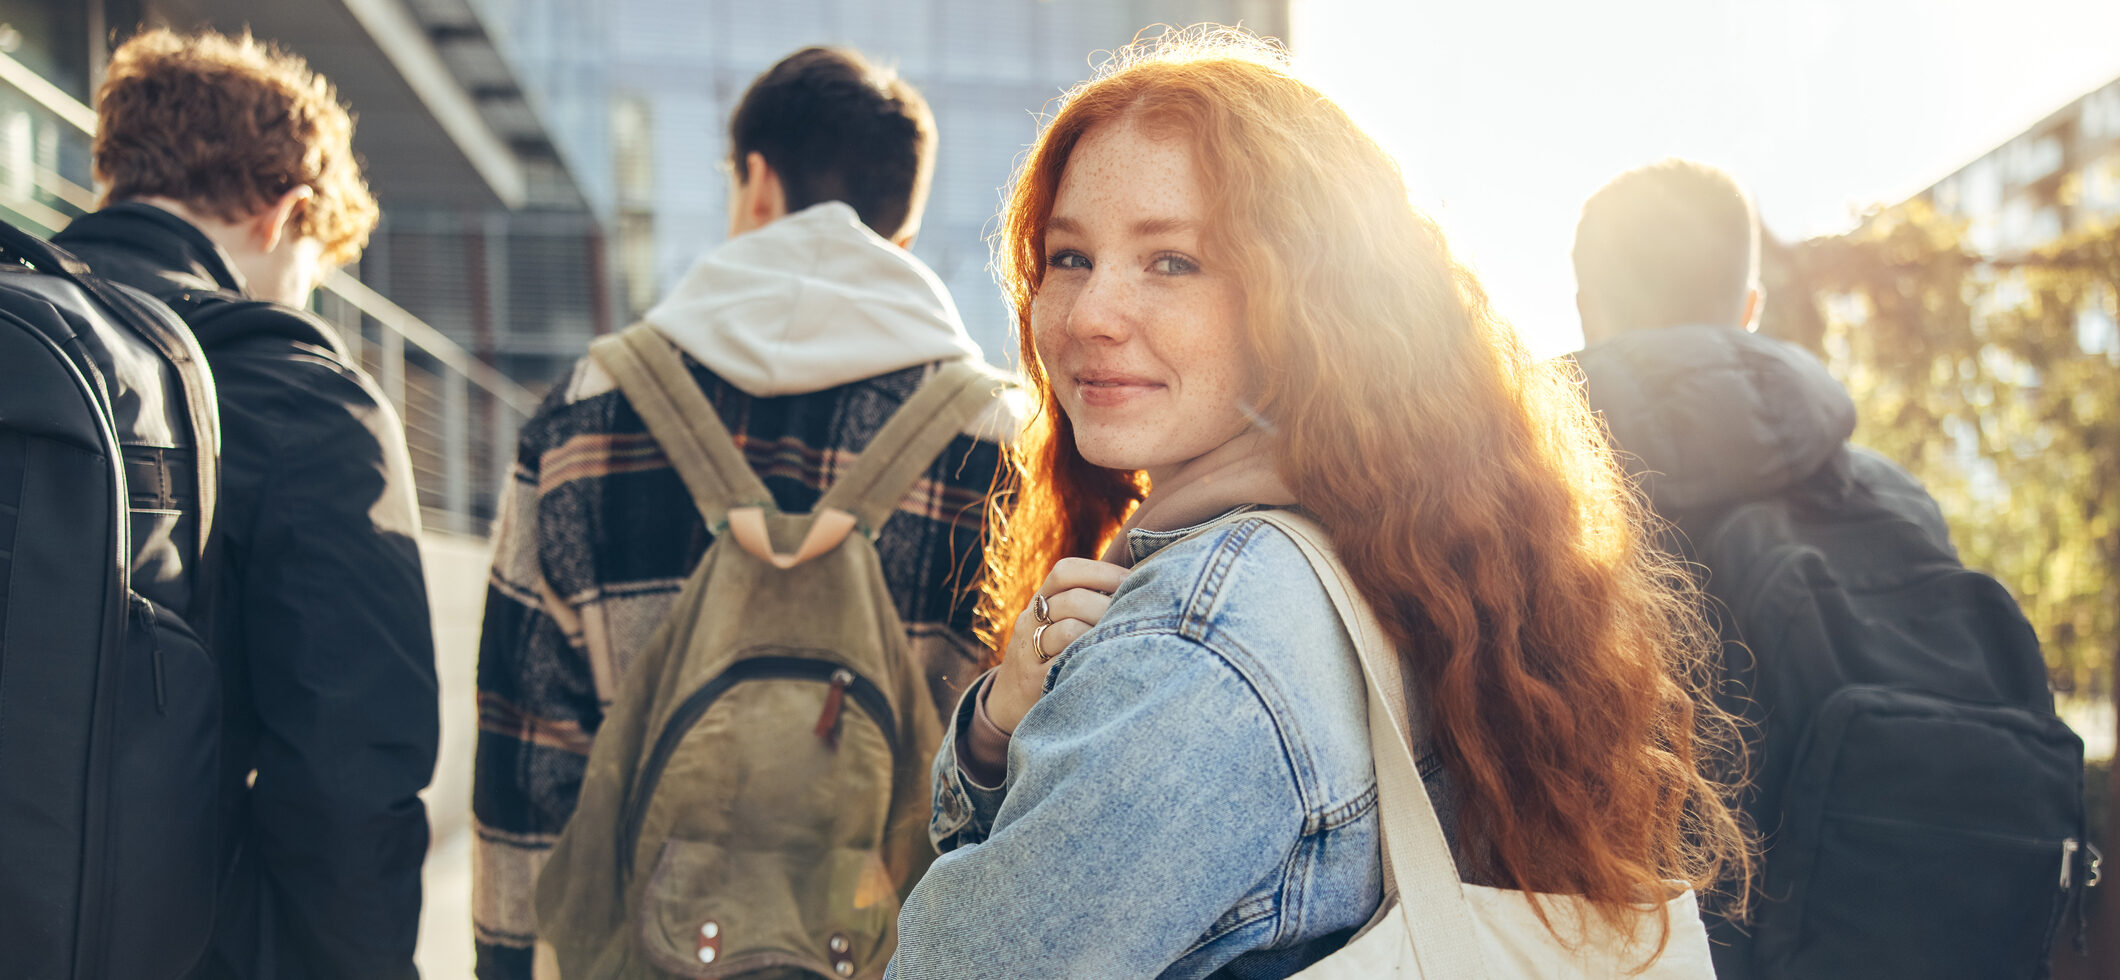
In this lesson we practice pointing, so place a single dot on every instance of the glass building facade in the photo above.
(650, 152)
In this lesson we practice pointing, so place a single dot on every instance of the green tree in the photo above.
(1997, 383)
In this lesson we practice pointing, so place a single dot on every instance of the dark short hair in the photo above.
(836, 128)
(1674, 243)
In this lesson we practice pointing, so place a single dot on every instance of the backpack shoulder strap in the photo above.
(1418, 865)
(153, 323)
(915, 434)
(652, 376)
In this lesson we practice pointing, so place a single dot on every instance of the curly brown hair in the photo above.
(226, 125)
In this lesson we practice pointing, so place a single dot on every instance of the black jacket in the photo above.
(320, 625)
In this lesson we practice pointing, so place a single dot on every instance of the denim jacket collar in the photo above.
(1140, 544)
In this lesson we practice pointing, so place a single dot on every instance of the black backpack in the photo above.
(110, 704)
(1921, 804)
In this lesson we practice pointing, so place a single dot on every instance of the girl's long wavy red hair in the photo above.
(1466, 486)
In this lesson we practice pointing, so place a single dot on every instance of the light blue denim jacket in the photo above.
(1192, 795)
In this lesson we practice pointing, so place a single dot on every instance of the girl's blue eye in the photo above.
(1173, 265)
(1067, 260)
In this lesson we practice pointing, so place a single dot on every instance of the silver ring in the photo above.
(1038, 643)
(1041, 609)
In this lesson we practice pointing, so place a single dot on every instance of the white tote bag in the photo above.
(1433, 926)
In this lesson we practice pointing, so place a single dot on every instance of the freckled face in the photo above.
(1136, 326)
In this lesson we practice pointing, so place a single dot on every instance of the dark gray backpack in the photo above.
(1921, 804)
(109, 700)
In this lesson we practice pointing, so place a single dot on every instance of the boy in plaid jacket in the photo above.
(806, 330)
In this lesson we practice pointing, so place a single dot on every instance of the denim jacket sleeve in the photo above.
(1122, 782)
(963, 810)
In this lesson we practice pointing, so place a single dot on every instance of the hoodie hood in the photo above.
(1706, 415)
(809, 302)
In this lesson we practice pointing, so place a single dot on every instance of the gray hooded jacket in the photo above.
(1712, 416)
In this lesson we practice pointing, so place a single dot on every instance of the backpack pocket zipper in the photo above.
(2071, 848)
(845, 683)
(146, 611)
(2090, 856)
(828, 719)
(1989, 837)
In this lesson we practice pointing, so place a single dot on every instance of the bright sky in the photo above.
(1506, 115)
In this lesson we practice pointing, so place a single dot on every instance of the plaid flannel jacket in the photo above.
(595, 536)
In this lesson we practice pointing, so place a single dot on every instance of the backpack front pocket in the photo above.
(765, 727)
(756, 830)
(713, 912)
(1925, 837)
(166, 802)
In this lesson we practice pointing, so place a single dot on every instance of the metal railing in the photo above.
(460, 413)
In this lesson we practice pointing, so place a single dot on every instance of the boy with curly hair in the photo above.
(231, 188)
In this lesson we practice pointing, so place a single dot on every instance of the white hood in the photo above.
(808, 302)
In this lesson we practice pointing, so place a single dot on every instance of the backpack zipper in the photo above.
(866, 695)
(1992, 838)
(2070, 851)
(828, 720)
(146, 610)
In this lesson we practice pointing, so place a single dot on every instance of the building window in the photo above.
(2101, 113)
(633, 145)
(2028, 159)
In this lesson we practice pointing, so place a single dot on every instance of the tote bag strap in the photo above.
(1418, 865)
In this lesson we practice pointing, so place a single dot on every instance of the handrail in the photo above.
(394, 317)
(374, 305)
(45, 94)
(38, 211)
(65, 190)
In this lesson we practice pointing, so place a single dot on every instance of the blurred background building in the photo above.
(2060, 176)
(638, 95)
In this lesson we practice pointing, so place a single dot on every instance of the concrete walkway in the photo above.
(456, 589)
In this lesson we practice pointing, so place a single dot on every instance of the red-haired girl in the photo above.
(1226, 301)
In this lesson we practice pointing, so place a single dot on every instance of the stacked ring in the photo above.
(1041, 609)
(1038, 643)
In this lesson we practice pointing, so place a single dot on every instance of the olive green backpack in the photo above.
(756, 800)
